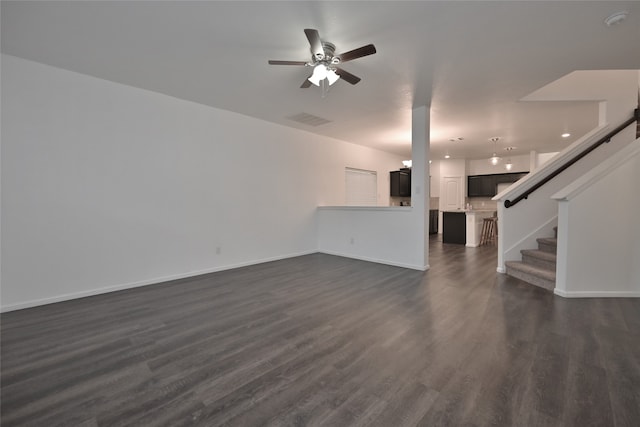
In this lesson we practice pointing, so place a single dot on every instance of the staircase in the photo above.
(538, 266)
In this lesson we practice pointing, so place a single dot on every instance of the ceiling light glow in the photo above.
(616, 18)
(565, 135)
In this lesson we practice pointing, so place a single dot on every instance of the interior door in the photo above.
(452, 190)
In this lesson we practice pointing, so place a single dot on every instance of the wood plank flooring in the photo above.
(323, 340)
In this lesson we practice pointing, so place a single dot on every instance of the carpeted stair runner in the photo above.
(538, 266)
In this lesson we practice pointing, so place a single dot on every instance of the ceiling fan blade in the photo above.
(357, 53)
(306, 83)
(347, 76)
(272, 62)
(314, 40)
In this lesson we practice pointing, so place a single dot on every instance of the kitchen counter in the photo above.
(367, 208)
(471, 210)
(475, 219)
(464, 226)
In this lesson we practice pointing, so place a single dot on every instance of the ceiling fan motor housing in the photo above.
(328, 58)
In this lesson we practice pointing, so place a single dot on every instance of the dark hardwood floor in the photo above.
(323, 340)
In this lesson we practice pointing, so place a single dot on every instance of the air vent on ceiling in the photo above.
(309, 119)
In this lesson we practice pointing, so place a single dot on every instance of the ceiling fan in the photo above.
(325, 62)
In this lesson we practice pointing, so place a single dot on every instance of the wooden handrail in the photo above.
(558, 171)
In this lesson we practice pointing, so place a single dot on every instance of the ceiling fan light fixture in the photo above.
(319, 74)
(332, 77)
(324, 62)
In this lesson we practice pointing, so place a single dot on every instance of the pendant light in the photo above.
(509, 165)
(494, 159)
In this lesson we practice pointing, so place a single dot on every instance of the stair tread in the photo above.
(543, 273)
(537, 253)
(547, 240)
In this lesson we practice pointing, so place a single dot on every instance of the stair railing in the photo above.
(563, 167)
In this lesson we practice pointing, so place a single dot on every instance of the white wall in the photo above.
(105, 186)
(599, 230)
(434, 171)
(383, 235)
(484, 167)
(393, 235)
(542, 158)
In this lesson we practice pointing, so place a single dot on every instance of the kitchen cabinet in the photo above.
(433, 221)
(509, 178)
(454, 227)
(400, 183)
(487, 185)
(481, 186)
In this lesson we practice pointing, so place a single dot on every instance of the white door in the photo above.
(452, 191)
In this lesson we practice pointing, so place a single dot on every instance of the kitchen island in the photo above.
(475, 219)
(464, 227)
(454, 227)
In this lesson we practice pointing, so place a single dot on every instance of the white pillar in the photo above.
(420, 177)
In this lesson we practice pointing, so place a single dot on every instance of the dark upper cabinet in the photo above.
(486, 185)
(400, 183)
(481, 186)
(509, 178)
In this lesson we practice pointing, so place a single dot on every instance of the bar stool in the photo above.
(489, 230)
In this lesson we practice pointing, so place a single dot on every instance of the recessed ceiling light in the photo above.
(459, 138)
(446, 156)
(616, 18)
(509, 148)
(565, 135)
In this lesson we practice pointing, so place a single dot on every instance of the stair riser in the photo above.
(531, 279)
(548, 248)
(537, 262)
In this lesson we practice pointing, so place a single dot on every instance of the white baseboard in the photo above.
(501, 270)
(378, 261)
(147, 282)
(596, 294)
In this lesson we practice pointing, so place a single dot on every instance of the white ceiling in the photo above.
(471, 61)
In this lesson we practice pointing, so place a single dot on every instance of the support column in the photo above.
(420, 179)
